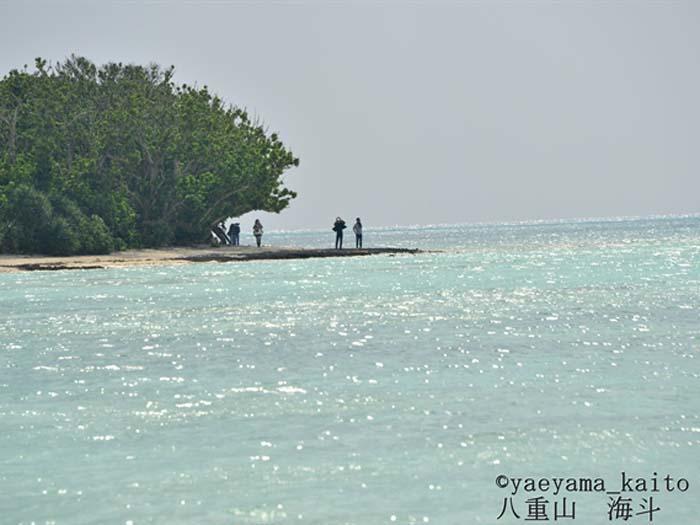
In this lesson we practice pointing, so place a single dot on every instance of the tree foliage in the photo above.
(100, 158)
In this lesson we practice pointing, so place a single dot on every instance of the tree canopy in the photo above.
(96, 158)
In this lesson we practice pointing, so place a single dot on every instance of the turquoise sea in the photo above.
(364, 390)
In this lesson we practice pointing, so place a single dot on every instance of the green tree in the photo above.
(120, 156)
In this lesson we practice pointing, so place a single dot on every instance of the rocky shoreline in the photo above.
(179, 255)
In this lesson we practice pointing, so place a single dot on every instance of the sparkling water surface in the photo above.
(360, 390)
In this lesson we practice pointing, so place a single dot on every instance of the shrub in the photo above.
(95, 237)
(26, 216)
(60, 238)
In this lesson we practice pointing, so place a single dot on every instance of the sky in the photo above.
(408, 113)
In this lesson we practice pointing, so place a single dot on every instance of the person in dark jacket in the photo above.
(338, 228)
(258, 231)
(234, 232)
(357, 228)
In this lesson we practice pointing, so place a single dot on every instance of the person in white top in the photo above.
(357, 228)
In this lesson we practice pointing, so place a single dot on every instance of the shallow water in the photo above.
(360, 390)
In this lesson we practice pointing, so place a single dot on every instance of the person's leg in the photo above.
(258, 238)
(341, 241)
(337, 239)
(360, 240)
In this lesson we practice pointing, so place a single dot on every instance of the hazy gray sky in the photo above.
(427, 112)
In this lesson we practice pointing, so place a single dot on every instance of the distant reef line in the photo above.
(174, 256)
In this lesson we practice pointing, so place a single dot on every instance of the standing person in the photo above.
(230, 234)
(234, 232)
(258, 231)
(357, 228)
(338, 227)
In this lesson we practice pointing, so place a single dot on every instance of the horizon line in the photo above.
(515, 222)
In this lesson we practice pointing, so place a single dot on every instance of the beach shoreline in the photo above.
(181, 255)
